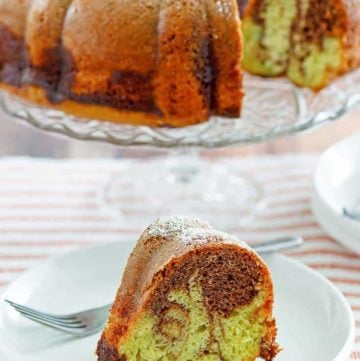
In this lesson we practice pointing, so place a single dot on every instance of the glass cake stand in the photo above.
(182, 182)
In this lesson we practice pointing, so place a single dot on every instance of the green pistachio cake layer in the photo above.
(306, 40)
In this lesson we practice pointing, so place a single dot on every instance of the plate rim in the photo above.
(323, 158)
(319, 203)
(333, 230)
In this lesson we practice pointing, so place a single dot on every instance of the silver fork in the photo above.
(88, 322)
(83, 323)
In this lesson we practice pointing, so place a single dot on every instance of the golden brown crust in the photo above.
(154, 69)
(13, 59)
(181, 59)
(44, 30)
(13, 15)
(126, 44)
(87, 111)
(107, 352)
(224, 20)
(165, 254)
(270, 349)
(351, 37)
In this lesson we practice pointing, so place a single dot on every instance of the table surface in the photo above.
(20, 139)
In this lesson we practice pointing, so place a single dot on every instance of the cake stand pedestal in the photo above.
(182, 182)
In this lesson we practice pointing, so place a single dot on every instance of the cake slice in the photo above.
(191, 293)
(325, 42)
(267, 36)
(310, 41)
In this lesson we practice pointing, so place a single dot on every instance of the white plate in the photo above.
(330, 223)
(315, 322)
(337, 186)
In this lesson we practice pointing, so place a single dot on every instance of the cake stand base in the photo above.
(183, 185)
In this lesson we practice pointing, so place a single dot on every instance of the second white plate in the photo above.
(315, 321)
(337, 186)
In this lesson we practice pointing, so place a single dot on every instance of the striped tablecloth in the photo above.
(49, 206)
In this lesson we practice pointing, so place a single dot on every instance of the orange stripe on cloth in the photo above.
(330, 252)
(40, 244)
(344, 280)
(352, 294)
(82, 205)
(12, 270)
(278, 228)
(335, 266)
(41, 193)
(69, 230)
(23, 256)
(55, 218)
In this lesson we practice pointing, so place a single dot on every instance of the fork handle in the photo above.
(281, 244)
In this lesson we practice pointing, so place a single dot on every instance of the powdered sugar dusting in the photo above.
(203, 236)
(189, 231)
(174, 226)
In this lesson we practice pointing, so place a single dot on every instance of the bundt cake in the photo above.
(191, 293)
(168, 62)
(153, 62)
(310, 41)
